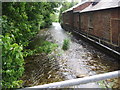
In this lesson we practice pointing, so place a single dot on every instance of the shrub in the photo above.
(12, 63)
(66, 44)
(47, 47)
(21, 21)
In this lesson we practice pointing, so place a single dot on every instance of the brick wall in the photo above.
(76, 21)
(115, 25)
(68, 18)
(104, 24)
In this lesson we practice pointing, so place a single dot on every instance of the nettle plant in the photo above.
(12, 62)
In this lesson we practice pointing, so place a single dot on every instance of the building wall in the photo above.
(76, 21)
(63, 18)
(103, 24)
(84, 22)
(71, 18)
(115, 26)
(68, 18)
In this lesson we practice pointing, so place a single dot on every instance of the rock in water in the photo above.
(81, 76)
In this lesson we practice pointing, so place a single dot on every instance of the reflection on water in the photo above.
(81, 60)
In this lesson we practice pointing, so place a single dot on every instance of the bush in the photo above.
(21, 22)
(12, 63)
(66, 44)
(47, 47)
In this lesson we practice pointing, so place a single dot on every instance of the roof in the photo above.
(70, 9)
(102, 4)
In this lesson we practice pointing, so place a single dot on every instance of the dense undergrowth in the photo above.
(21, 21)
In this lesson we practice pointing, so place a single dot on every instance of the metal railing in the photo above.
(78, 81)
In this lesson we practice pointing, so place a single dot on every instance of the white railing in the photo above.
(78, 81)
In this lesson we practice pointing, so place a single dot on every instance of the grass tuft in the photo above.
(66, 44)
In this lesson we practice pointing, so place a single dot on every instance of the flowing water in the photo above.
(81, 60)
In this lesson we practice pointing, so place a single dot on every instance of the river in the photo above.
(81, 60)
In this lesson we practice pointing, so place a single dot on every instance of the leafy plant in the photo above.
(47, 47)
(66, 44)
(12, 63)
(21, 21)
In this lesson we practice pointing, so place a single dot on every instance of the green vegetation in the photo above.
(104, 84)
(47, 47)
(66, 44)
(12, 62)
(21, 21)
(55, 17)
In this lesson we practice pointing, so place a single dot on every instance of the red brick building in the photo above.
(102, 20)
(98, 20)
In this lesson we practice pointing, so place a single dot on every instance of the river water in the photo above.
(81, 60)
